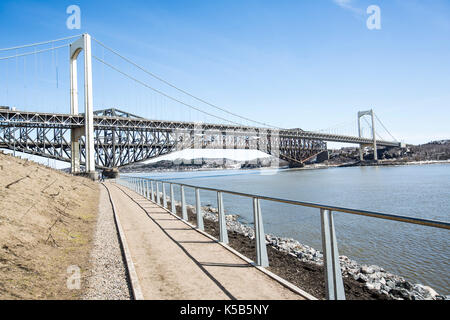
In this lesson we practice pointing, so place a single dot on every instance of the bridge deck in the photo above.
(174, 261)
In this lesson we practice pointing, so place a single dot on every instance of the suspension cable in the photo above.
(181, 90)
(164, 94)
(339, 125)
(384, 127)
(376, 133)
(39, 43)
(34, 52)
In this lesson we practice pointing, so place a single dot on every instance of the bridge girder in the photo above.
(125, 139)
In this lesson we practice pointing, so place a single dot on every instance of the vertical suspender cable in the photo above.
(56, 65)
(25, 82)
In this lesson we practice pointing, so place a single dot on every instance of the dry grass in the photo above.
(47, 220)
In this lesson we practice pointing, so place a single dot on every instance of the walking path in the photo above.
(174, 261)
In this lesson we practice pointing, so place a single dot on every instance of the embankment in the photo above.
(303, 265)
(47, 219)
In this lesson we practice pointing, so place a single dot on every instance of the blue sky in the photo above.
(308, 64)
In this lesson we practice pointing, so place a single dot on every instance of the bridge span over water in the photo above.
(113, 138)
(121, 138)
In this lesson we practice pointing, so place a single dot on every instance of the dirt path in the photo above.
(173, 261)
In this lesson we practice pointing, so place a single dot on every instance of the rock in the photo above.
(361, 278)
(401, 293)
(405, 285)
(317, 254)
(372, 276)
(390, 284)
(375, 276)
(425, 291)
(373, 286)
(384, 292)
(417, 296)
(367, 270)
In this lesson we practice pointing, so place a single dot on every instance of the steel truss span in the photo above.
(121, 138)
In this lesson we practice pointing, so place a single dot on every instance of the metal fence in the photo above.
(333, 276)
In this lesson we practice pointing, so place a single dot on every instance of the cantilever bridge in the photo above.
(114, 138)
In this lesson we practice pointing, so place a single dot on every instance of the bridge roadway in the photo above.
(122, 138)
(52, 120)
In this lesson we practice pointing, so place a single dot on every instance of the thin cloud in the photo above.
(348, 5)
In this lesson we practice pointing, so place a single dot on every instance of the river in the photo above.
(418, 253)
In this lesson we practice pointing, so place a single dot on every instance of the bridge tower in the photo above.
(361, 146)
(82, 44)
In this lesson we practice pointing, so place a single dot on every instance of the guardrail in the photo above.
(334, 285)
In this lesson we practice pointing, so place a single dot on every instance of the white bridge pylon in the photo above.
(361, 147)
(82, 44)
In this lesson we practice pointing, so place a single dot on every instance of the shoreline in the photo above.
(372, 280)
(373, 277)
(382, 163)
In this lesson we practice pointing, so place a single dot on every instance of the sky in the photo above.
(293, 64)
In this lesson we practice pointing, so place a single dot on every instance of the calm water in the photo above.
(420, 254)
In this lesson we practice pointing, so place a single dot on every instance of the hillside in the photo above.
(432, 151)
(47, 219)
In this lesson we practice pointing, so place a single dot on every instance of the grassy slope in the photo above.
(47, 220)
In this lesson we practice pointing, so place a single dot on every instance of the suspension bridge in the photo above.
(112, 137)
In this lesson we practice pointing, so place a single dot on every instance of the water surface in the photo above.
(419, 253)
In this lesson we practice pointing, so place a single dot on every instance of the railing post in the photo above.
(146, 190)
(157, 193)
(164, 195)
(172, 200)
(198, 210)
(184, 215)
(152, 196)
(223, 235)
(260, 238)
(334, 285)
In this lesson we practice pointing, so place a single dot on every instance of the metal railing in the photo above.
(333, 276)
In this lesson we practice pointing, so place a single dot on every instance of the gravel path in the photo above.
(185, 264)
(107, 280)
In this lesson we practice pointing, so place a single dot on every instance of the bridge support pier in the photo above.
(75, 136)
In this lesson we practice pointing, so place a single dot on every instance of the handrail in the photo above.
(379, 215)
(333, 276)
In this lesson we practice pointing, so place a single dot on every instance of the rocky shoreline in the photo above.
(373, 278)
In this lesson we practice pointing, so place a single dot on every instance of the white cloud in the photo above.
(348, 5)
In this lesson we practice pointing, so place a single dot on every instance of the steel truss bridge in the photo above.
(121, 138)
(113, 138)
